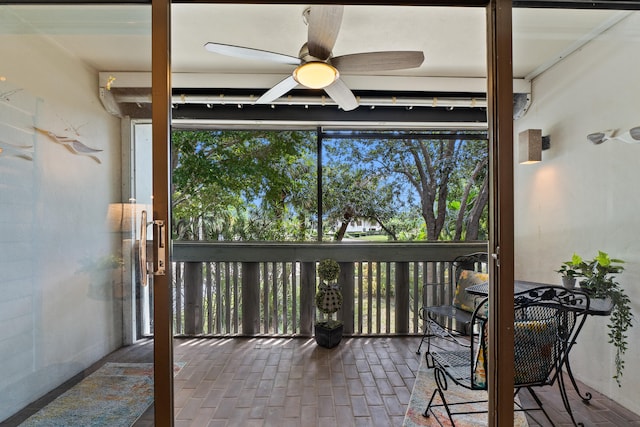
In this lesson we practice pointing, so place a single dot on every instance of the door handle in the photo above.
(159, 248)
(142, 249)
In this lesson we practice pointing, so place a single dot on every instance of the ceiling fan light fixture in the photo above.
(315, 74)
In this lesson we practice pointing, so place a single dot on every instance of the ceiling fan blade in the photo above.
(278, 90)
(342, 95)
(324, 25)
(249, 53)
(378, 61)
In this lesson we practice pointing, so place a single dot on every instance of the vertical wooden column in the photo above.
(346, 313)
(307, 297)
(193, 298)
(402, 297)
(501, 265)
(250, 298)
(161, 129)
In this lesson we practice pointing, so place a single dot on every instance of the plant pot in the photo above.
(569, 282)
(328, 337)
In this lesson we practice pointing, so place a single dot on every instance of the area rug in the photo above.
(423, 388)
(115, 395)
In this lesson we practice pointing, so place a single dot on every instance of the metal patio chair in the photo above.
(454, 320)
(546, 323)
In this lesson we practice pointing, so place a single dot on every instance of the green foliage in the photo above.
(243, 184)
(570, 268)
(597, 277)
(261, 185)
(411, 172)
(328, 270)
(329, 324)
(328, 298)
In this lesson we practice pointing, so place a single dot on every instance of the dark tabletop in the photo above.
(597, 306)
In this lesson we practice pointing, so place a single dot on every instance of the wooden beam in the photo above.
(250, 297)
(307, 294)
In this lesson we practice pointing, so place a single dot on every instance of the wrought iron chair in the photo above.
(454, 320)
(546, 324)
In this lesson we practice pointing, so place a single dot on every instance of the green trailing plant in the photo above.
(329, 296)
(597, 278)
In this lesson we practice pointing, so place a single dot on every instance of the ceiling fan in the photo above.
(316, 68)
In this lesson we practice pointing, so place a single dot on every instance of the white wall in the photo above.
(583, 197)
(59, 311)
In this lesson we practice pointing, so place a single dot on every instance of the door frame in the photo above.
(501, 232)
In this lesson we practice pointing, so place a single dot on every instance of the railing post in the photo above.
(402, 297)
(250, 298)
(307, 297)
(346, 313)
(192, 298)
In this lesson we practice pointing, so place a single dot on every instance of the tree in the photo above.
(239, 184)
(261, 185)
(439, 170)
(350, 193)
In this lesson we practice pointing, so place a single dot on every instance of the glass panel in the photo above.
(70, 210)
(581, 198)
(405, 185)
(244, 185)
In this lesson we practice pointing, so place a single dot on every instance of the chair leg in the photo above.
(441, 384)
(565, 398)
(429, 327)
(424, 336)
(539, 403)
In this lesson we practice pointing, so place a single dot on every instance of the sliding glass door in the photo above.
(71, 210)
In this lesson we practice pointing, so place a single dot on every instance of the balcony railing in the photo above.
(227, 289)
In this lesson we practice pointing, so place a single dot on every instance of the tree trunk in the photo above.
(348, 216)
(473, 224)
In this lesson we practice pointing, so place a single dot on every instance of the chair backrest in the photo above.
(468, 270)
(545, 327)
(474, 262)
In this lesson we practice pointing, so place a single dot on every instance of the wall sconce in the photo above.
(600, 137)
(530, 146)
(632, 136)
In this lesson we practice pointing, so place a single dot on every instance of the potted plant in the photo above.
(597, 278)
(328, 333)
(569, 272)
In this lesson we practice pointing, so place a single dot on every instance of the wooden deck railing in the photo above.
(227, 289)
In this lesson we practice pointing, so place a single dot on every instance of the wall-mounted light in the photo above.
(632, 136)
(600, 137)
(530, 146)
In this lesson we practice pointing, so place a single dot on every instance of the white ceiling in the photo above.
(116, 38)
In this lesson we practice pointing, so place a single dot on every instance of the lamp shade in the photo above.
(530, 146)
(315, 74)
(122, 217)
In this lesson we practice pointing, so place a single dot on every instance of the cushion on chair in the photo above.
(462, 299)
(534, 347)
(479, 371)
